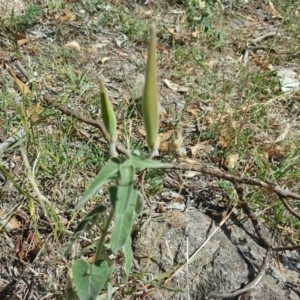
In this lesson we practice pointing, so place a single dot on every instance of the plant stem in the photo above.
(112, 148)
(103, 235)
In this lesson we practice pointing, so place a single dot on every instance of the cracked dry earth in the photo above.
(190, 206)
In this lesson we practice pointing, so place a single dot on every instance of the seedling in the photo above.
(126, 201)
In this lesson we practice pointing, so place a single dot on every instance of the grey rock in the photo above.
(230, 260)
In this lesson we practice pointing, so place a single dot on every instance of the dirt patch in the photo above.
(221, 105)
(9, 7)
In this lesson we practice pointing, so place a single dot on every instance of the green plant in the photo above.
(126, 201)
(201, 15)
(29, 18)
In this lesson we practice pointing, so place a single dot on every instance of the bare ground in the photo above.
(218, 89)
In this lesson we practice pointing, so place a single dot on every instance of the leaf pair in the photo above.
(111, 171)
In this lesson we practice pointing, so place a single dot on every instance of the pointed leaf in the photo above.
(89, 280)
(123, 199)
(123, 221)
(127, 172)
(128, 255)
(141, 163)
(108, 172)
(85, 225)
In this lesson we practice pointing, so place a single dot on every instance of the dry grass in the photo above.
(232, 105)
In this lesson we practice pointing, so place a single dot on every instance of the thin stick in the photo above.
(265, 243)
(284, 248)
(250, 285)
(13, 139)
(265, 36)
(193, 257)
(208, 170)
(289, 208)
(21, 69)
(86, 120)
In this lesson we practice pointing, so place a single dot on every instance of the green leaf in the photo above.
(108, 172)
(128, 255)
(127, 172)
(123, 199)
(141, 163)
(109, 290)
(123, 221)
(85, 225)
(111, 267)
(122, 193)
(139, 206)
(89, 279)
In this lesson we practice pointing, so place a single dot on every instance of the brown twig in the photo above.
(19, 135)
(89, 121)
(256, 225)
(208, 170)
(284, 248)
(265, 36)
(266, 244)
(288, 207)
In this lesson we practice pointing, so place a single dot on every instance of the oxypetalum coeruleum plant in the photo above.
(126, 201)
